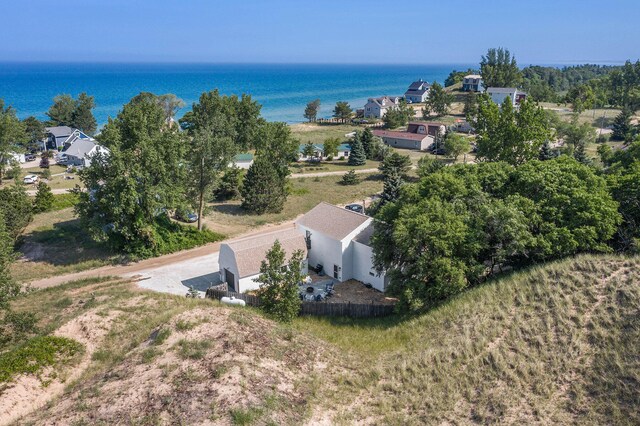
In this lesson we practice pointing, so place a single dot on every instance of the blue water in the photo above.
(283, 90)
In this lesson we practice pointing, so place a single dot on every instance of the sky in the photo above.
(320, 31)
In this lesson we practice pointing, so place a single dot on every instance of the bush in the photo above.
(44, 198)
(350, 178)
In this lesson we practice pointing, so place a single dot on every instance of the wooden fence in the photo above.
(327, 309)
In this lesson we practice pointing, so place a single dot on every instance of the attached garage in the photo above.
(240, 260)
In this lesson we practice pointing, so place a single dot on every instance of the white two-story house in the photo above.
(378, 107)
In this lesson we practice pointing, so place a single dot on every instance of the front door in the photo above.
(335, 271)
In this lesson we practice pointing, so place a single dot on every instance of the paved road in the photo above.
(320, 174)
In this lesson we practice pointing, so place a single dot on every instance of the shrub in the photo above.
(350, 178)
(44, 198)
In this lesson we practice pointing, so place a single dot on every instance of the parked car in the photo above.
(358, 208)
(61, 158)
(29, 157)
(186, 216)
(30, 179)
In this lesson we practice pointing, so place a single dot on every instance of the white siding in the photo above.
(363, 266)
(227, 260)
(324, 251)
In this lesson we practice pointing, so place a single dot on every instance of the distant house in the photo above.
(417, 92)
(344, 150)
(417, 136)
(240, 260)
(378, 107)
(80, 151)
(60, 137)
(499, 94)
(243, 161)
(472, 83)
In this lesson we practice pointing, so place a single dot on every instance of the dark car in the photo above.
(186, 216)
(355, 208)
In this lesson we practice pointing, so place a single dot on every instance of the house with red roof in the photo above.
(419, 135)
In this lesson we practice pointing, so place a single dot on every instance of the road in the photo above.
(171, 273)
(320, 174)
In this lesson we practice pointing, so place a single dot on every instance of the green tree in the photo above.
(357, 157)
(455, 145)
(263, 189)
(580, 153)
(61, 112)
(470, 109)
(575, 134)
(43, 199)
(279, 281)
(350, 178)
(456, 77)
(12, 132)
(129, 190)
(625, 189)
(546, 152)
(367, 142)
(215, 130)
(391, 188)
(581, 97)
(399, 116)
(342, 111)
(499, 69)
(309, 151)
(82, 117)
(311, 110)
(507, 134)
(230, 184)
(622, 129)
(8, 287)
(605, 153)
(330, 147)
(35, 132)
(379, 150)
(395, 164)
(170, 104)
(438, 102)
(16, 209)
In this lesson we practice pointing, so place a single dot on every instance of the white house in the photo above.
(16, 157)
(417, 92)
(339, 240)
(499, 94)
(242, 161)
(81, 150)
(472, 83)
(333, 237)
(378, 107)
(240, 260)
(343, 151)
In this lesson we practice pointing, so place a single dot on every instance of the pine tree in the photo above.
(546, 152)
(391, 189)
(263, 189)
(357, 157)
(367, 142)
(622, 125)
(82, 116)
(580, 153)
(350, 178)
(311, 110)
(8, 287)
(43, 199)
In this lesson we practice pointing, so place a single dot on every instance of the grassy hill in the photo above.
(554, 344)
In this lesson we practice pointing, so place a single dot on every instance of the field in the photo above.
(555, 344)
(59, 178)
(318, 133)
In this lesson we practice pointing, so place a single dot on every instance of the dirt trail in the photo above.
(153, 262)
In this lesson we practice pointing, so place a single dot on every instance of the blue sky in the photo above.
(328, 31)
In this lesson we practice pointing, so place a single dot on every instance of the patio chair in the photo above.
(329, 288)
(318, 298)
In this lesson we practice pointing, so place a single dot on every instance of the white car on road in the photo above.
(30, 179)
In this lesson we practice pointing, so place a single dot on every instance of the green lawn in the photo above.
(55, 182)
(304, 167)
(318, 133)
(229, 218)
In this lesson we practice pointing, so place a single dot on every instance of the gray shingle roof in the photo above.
(250, 252)
(333, 221)
(59, 131)
(80, 148)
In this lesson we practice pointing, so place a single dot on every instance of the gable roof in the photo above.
(251, 251)
(385, 101)
(332, 221)
(246, 157)
(419, 87)
(473, 76)
(59, 131)
(80, 148)
(502, 90)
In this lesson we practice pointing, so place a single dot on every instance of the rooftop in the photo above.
(59, 131)
(473, 76)
(80, 147)
(399, 135)
(251, 251)
(333, 221)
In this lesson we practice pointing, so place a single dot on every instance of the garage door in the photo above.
(229, 278)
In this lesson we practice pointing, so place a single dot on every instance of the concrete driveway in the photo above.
(177, 278)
